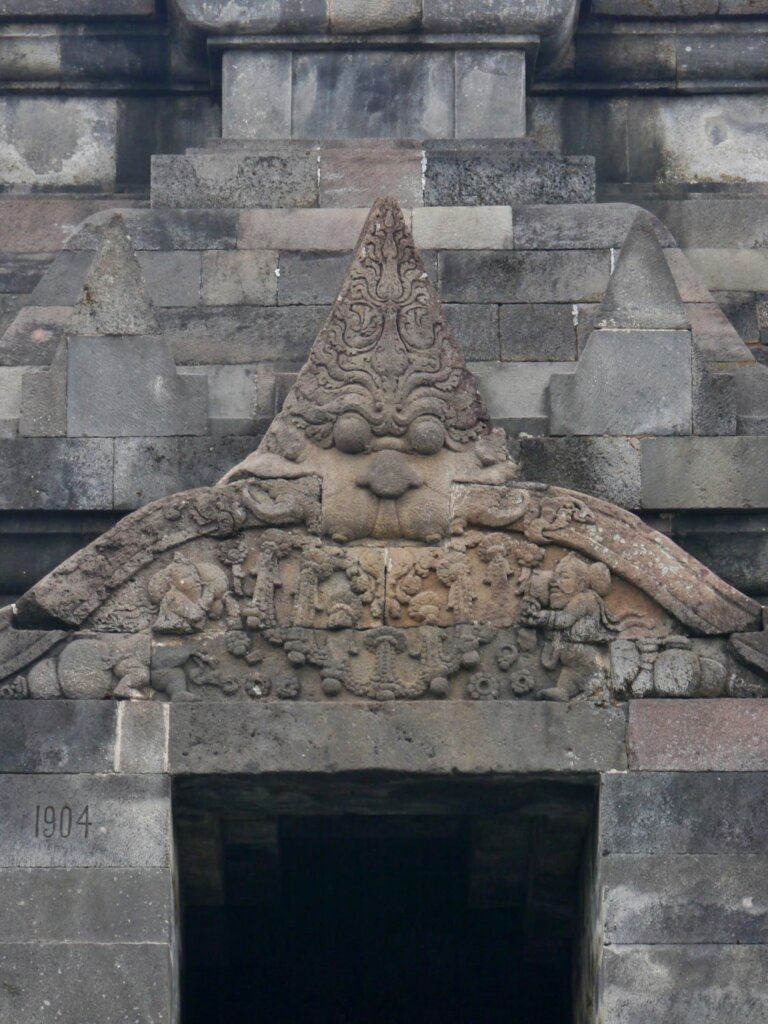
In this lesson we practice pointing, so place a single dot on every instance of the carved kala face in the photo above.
(385, 410)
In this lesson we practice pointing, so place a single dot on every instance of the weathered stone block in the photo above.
(94, 821)
(375, 94)
(476, 328)
(310, 278)
(150, 469)
(11, 378)
(172, 278)
(374, 15)
(698, 735)
(136, 982)
(715, 222)
(267, 16)
(237, 334)
(256, 95)
(576, 276)
(516, 391)
(583, 226)
(276, 175)
(541, 331)
(57, 143)
(129, 387)
(166, 230)
(352, 176)
(710, 138)
(685, 812)
(34, 335)
(58, 736)
(21, 272)
(657, 8)
(300, 229)
(44, 399)
(91, 905)
(472, 227)
(691, 984)
(735, 546)
(231, 396)
(240, 278)
(490, 94)
(42, 224)
(437, 739)
(608, 467)
(714, 337)
(714, 399)
(62, 282)
(627, 383)
(143, 738)
(78, 8)
(466, 173)
(685, 899)
(741, 310)
(704, 472)
(51, 473)
(552, 21)
(687, 281)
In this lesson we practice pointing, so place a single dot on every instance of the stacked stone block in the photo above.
(682, 865)
(87, 854)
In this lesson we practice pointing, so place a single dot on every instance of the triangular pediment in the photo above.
(378, 546)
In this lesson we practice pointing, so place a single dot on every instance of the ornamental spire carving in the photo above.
(385, 409)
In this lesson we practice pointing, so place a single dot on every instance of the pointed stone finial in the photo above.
(642, 294)
(114, 298)
(386, 363)
(385, 410)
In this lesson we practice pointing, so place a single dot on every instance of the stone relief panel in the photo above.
(281, 614)
(377, 546)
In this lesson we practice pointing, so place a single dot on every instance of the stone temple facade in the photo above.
(383, 511)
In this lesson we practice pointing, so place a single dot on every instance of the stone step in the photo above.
(353, 173)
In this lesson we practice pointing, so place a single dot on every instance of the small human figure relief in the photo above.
(479, 578)
(188, 593)
(296, 579)
(568, 604)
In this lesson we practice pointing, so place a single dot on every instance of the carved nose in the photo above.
(389, 475)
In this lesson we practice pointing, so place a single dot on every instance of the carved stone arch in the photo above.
(377, 546)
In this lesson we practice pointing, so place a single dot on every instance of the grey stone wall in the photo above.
(676, 911)
(682, 861)
(87, 851)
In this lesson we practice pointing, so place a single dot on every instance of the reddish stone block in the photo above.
(729, 735)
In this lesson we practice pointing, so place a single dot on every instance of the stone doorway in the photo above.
(380, 901)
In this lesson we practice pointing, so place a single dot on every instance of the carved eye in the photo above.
(351, 434)
(426, 435)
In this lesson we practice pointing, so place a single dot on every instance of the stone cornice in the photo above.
(552, 22)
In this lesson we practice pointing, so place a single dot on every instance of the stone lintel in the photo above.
(430, 738)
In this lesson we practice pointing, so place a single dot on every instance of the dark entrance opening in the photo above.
(405, 902)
